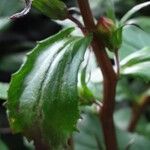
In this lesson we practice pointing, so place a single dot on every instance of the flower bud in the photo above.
(105, 25)
(109, 33)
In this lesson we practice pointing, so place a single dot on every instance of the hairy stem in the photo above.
(137, 111)
(109, 76)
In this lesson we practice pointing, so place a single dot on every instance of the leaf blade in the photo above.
(46, 87)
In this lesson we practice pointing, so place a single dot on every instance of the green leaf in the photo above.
(133, 11)
(55, 9)
(137, 64)
(111, 10)
(117, 38)
(3, 90)
(142, 21)
(86, 96)
(43, 96)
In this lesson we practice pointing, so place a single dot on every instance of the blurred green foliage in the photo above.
(19, 36)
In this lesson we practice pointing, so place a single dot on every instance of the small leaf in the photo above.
(86, 96)
(111, 10)
(133, 11)
(43, 96)
(117, 38)
(55, 9)
(3, 90)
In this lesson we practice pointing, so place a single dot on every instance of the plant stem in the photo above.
(109, 90)
(86, 14)
(109, 76)
(137, 111)
(77, 22)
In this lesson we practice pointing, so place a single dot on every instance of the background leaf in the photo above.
(14, 63)
(90, 136)
(142, 21)
(137, 64)
(7, 8)
(130, 43)
(133, 11)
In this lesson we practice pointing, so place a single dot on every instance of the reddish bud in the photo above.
(109, 33)
(105, 25)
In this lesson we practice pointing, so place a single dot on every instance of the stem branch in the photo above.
(77, 22)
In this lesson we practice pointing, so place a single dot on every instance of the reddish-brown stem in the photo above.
(77, 22)
(109, 85)
(137, 111)
(110, 78)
